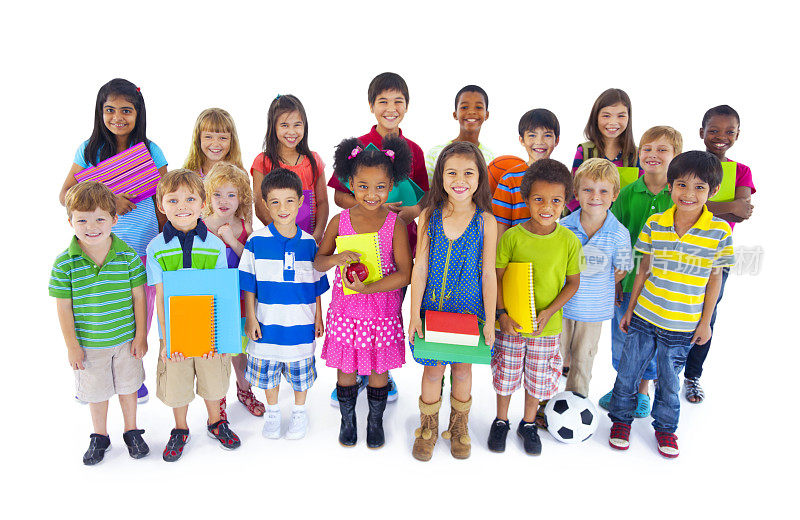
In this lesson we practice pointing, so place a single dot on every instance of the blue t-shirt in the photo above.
(139, 226)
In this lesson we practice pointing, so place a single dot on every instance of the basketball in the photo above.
(501, 165)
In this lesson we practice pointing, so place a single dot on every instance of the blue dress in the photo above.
(455, 272)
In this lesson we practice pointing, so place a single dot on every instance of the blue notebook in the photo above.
(223, 285)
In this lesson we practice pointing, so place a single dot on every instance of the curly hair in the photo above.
(547, 170)
(222, 173)
(397, 168)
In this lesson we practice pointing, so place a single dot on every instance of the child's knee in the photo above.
(462, 371)
(434, 373)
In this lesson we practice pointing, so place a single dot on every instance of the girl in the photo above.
(609, 134)
(214, 139)
(365, 330)
(119, 123)
(286, 146)
(229, 204)
(454, 272)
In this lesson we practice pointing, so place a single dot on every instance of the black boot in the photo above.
(347, 396)
(376, 397)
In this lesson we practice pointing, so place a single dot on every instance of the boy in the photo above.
(99, 285)
(187, 243)
(282, 303)
(556, 253)
(471, 110)
(684, 250)
(607, 249)
(720, 129)
(538, 134)
(636, 202)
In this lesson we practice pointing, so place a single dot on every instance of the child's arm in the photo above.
(419, 278)
(402, 259)
(703, 331)
(344, 200)
(325, 259)
(571, 285)
(66, 319)
(251, 327)
(321, 198)
(638, 284)
(619, 276)
(507, 324)
(258, 199)
(225, 232)
(161, 217)
(489, 276)
(139, 343)
(736, 210)
(319, 328)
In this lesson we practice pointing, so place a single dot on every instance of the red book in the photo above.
(452, 328)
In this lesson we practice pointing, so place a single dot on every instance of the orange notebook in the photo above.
(191, 327)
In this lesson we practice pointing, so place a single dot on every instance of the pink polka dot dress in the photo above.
(364, 332)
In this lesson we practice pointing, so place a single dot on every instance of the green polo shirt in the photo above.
(632, 208)
(102, 301)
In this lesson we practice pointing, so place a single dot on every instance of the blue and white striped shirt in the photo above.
(280, 272)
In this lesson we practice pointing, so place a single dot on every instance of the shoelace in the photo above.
(174, 440)
(667, 439)
(136, 440)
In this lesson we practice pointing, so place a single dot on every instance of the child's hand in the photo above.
(508, 326)
(625, 321)
(542, 317)
(345, 257)
(75, 357)
(488, 333)
(356, 285)
(394, 207)
(176, 357)
(617, 294)
(139, 347)
(742, 208)
(701, 334)
(407, 214)
(124, 205)
(252, 329)
(210, 355)
(319, 328)
(225, 232)
(415, 326)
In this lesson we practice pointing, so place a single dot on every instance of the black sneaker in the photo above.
(137, 448)
(497, 435)
(98, 445)
(223, 433)
(177, 441)
(530, 438)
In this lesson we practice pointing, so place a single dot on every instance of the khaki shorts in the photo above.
(108, 371)
(175, 381)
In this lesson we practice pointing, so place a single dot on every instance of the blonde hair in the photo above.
(222, 173)
(657, 132)
(213, 120)
(88, 196)
(174, 179)
(597, 169)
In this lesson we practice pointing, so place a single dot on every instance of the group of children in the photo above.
(653, 257)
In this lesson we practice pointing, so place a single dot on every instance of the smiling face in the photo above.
(182, 208)
(719, 134)
(690, 193)
(655, 156)
(283, 205)
(545, 202)
(289, 129)
(389, 109)
(612, 120)
(92, 227)
(539, 143)
(215, 145)
(595, 196)
(371, 186)
(225, 200)
(460, 177)
(119, 115)
(471, 111)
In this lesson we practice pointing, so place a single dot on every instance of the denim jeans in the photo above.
(618, 339)
(644, 342)
(697, 356)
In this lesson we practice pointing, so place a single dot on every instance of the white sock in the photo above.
(299, 408)
(273, 408)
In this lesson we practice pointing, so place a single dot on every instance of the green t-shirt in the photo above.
(633, 207)
(554, 257)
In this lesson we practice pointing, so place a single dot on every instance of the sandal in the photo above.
(693, 391)
(253, 405)
(222, 413)
(642, 406)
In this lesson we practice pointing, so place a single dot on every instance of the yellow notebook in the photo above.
(191, 325)
(518, 295)
(627, 175)
(367, 245)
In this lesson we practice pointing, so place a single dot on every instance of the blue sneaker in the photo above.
(392, 389)
(362, 384)
(605, 400)
(142, 396)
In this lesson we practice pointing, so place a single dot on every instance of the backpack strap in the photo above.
(589, 150)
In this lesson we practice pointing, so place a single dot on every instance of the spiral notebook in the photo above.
(131, 172)
(367, 245)
(305, 219)
(202, 311)
(518, 295)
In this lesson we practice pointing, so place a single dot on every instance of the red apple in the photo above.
(357, 269)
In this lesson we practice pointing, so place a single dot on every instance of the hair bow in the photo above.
(387, 153)
(357, 150)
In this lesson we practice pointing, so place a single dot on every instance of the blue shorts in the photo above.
(266, 374)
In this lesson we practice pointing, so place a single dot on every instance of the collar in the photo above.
(75, 247)
(573, 222)
(277, 234)
(375, 138)
(667, 219)
(641, 187)
(170, 232)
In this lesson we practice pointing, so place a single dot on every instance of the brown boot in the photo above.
(428, 431)
(458, 432)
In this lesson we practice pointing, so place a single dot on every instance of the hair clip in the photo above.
(357, 150)
(389, 154)
(138, 90)
(278, 96)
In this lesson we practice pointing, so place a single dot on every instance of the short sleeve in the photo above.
(744, 177)
(222, 258)
(260, 163)
(623, 255)
(247, 268)
(644, 244)
(578, 159)
(60, 282)
(430, 161)
(321, 285)
(158, 156)
(419, 173)
(723, 257)
(320, 164)
(79, 159)
(153, 268)
(503, 202)
(136, 271)
(504, 251)
(576, 262)
(620, 206)
(488, 155)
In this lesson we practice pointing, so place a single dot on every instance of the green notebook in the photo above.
(481, 355)
(727, 190)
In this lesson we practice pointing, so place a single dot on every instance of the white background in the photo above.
(675, 60)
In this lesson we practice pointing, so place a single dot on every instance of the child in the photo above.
(538, 133)
(607, 249)
(719, 131)
(365, 330)
(214, 139)
(231, 200)
(672, 303)
(471, 110)
(98, 282)
(636, 202)
(282, 302)
(609, 133)
(119, 123)
(286, 146)
(186, 243)
(458, 205)
(556, 253)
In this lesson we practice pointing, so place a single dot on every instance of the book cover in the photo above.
(365, 244)
(627, 175)
(191, 330)
(727, 189)
(424, 348)
(130, 172)
(518, 295)
(452, 327)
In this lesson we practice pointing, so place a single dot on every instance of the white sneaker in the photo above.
(298, 425)
(272, 424)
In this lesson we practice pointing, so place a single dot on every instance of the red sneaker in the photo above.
(667, 444)
(620, 433)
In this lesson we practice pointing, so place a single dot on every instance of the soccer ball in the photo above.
(571, 418)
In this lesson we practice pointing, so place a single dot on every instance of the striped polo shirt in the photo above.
(102, 302)
(608, 249)
(674, 292)
(280, 272)
(508, 206)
